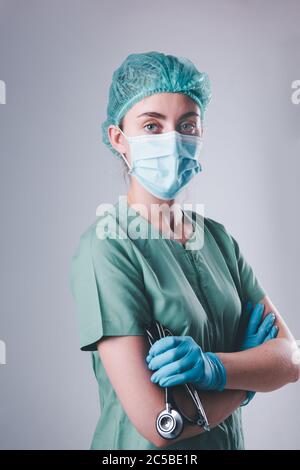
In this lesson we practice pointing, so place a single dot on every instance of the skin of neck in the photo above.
(151, 208)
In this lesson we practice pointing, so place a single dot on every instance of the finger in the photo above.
(266, 326)
(170, 380)
(162, 359)
(173, 380)
(255, 319)
(172, 355)
(177, 367)
(162, 347)
(273, 333)
(163, 344)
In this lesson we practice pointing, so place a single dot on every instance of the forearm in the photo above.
(217, 405)
(264, 368)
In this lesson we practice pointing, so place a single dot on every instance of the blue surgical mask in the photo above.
(164, 163)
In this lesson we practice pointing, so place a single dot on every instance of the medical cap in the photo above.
(144, 74)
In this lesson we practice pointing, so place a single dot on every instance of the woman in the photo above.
(229, 339)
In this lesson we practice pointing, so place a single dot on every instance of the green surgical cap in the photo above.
(144, 74)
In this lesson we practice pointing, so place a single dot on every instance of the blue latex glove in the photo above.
(179, 360)
(257, 332)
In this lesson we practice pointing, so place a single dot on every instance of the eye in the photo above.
(150, 124)
(189, 127)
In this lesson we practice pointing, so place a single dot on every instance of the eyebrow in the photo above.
(162, 116)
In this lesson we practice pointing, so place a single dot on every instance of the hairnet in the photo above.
(144, 74)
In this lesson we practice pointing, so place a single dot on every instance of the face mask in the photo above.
(164, 163)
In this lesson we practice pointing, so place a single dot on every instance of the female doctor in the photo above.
(229, 340)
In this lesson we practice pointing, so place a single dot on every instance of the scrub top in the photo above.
(123, 282)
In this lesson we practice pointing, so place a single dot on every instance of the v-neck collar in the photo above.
(186, 248)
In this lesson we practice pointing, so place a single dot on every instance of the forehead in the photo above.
(169, 104)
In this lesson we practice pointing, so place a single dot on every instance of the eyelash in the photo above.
(153, 123)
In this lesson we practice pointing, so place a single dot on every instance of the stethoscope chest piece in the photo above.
(169, 423)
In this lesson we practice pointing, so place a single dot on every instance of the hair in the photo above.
(143, 74)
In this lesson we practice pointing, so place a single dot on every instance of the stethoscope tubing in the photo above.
(191, 389)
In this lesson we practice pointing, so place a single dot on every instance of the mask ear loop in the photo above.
(122, 154)
(129, 166)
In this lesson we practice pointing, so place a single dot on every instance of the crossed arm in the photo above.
(264, 368)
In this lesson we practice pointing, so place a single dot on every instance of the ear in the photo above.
(116, 139)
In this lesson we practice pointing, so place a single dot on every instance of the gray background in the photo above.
(57, 58)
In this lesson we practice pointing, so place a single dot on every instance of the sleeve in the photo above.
(246, 281)
(251, 287)
(108, 289)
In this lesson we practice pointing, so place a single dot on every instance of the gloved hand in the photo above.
(257, 333)
(179, 360)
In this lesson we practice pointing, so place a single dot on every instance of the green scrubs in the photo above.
(121, 284)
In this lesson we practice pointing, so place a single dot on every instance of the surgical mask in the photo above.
(164, 163)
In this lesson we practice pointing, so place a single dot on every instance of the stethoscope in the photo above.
(170, 422)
